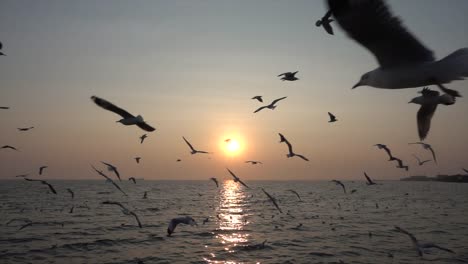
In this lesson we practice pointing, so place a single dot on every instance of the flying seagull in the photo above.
(227, 140)
(108, 179)
(26, 225)
(428, 147)
(137, 159)
(384, 147)
(179, 220)
(429, 102)
(71, 193)
(22, 176)
(25, 128)
(419, 161)
(369, 181)
(401, 165)
(112, 168)
(4, 107)
(418, 246)
(41, 169)
(297, 194)
(45, 183)
(1, 47)
(9, 147)
(132, 179)
(325, 22)
(404, 61)
(194, 151)
(291, 153)
(142, 138)
(258, 97)
(273, 200)
(254, 162)
(127, 118)
(341, 184)
(215, 181)
(332, 118)
(236, 179)
(271, 106)
(289, 76)
(125, 211)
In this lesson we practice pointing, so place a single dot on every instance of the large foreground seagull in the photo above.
(404, 61)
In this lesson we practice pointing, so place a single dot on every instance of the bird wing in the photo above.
(411, 236)
(328, 28)
(137, 219)
(332, 117)
(424, 161)
(172, 225)
(241, 182)
(424, 116)
(145, 126)
(215, 181)
(433, 154)
(465, 170)
(368, 179)
(283, 74)
(105, 176)
(432, 245)
(273, 200)
(113, 168)
(297, 194)
(327, 15)
(416, 157)
(260, 109)
(188, 143)
(132, 179)
(301, 156)
(50, 187)
(201, 151)
(371, 24)
(111, 107)
(277, 100)
(282, 138)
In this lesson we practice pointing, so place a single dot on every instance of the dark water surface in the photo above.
(336, 228)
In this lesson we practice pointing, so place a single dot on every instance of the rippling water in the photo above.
(336, 228)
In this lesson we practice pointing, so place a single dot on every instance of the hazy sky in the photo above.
(191, 67)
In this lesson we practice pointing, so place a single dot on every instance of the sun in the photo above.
(231, 146)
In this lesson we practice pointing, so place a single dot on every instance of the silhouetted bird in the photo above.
(4, 107)
(254, 162)
(237, 179)
(289, 76)
(215, 181)
(369, 181)
(384, 147)
(1, 47)
(71, 193)
(418, 246)
(291, 153)
(108, 179)
(427, 147)
(143, 137)
(25, 128)
(45, 183)
(137, 159)
(325, 22)
(332, 118)
(41, 169)
(341, 184)
(420, 163)
(273, 200)
(258, 97)
(132, 179)
(112, 168)
(193, 150)
(179, 220)
(296, 193)
(271, 106)
(400, 164)
(125, 211)
(9, 147)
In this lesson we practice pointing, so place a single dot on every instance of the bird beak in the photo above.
(357, 85)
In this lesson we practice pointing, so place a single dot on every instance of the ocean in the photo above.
(327, 226)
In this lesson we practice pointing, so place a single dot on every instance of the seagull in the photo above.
(41, 169)
(125, 211)
(137, 159)
(384, 147)
(400, 164)
(289, 76)
(71, 193)
(132, 179)
(227, 140)
(142, 138)
(9, 147)
(273, 200)
(44, 182)
(215, 181)
(418, 246)
(254, 162)
(112, 168)
(332, 118)
(145, 195)
(1, 53)
(429, 102)
(340, 183)
(178, 160)
(108, 179)
(179, 220)
(258, 97)
(236, 179)
(26, 225)
(369, 181)
(419, 161)
(325, 23)
(206, 220)
(428, 147)
(128, 119)
(404, 61)
(4, 107)
(25, 128)
(194, 151)
(297, 194)
(271, 106)
(22, 176)
(291, 153)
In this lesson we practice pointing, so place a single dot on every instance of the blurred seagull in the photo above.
(1, 47)
(236, 179)
(142, 138)
(194, 151)
(400, 164)
(45, 183)
(25, 128)
(137, 159)
(112, 168)
(289, 76)
(418, 246)
(428, 147)
(271, 106)
(26, 225)
(179, 220)
(227, 140)
(258, 97)
(369, 181)
(297, 194)
(384, 147)
(145, 195)
(291, 153)
(273, 200)
(429, 102)
(254, 162)
(41, 169)
(108, 179)
(340, 183)
(21, 176)
(332, 118)
(404, 61)
(125, 211)
(215, 181)
(419, 161)
(132, 179)
(128, 119)
(71, 193)
(9, 147)
(325, 23)
(4, 107)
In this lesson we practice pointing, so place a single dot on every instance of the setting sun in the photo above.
(231, 146)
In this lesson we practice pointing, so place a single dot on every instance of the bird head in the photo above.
(417, 100)
(365, 80)
(318, 23)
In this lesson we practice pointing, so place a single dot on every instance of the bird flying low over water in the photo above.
(125, 211)
(193, 150)
(384, 147)
(291, 153)
(404, 61)
(258, 97)
(108, 179)
(112, 168)
(273, 200)
(142, 138)
(418, 246)
(45, 183)
(427, 147)
(429, 102)
(71, 193)
(236, 179)
(297, 194)
(341, 184)
(215, 181)
(289, 76)
(420, 163)
(325, 22)
(272, 105)
(332, 118)
(369, 181)
(127, 118)
(41, 169)
(132, 179)
(9, 147)
(25, 128)
(400, 164)
(179, 220)
(254, 162)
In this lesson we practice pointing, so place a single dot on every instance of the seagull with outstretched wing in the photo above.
(325, 22)
(236, 179)
(52, 189)
(426, 147)
(193, 150)
(289, 76)
(290, 149)
(341, 184)
(125, 211)
(215, 181)
(271, 106)
(273, 200)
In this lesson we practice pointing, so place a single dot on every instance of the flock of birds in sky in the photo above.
(404, 62)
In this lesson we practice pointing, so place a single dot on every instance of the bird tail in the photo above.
(454, 66)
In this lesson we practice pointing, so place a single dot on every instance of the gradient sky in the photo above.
(191, 67)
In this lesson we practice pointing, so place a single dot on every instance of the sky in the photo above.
(190, 68)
